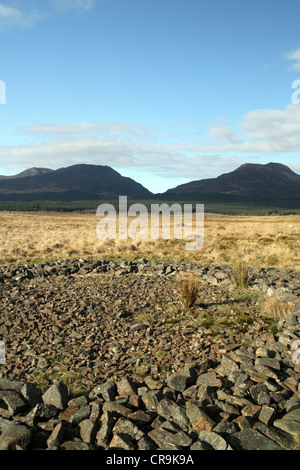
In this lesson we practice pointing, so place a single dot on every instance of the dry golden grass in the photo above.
(253, 241)
(188, 289)
(276, 307)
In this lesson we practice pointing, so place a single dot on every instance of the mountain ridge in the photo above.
(266, 184)
(29, 172)
(81, 181)
(250, 179)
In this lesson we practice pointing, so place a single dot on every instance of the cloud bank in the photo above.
(261, 133)
(77, 6)
(26, 13)
(294, 56)
(23, 18)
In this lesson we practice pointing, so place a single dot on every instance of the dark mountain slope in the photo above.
(272, 179)
(72, 183)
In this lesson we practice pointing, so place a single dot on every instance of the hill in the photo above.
(272, 179)
(77, 182)
(30, 172)
(250, 189)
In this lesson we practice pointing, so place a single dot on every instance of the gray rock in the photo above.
(12, 401)
(199, 419)
(126, 387)
(14, 436)
(213, 440)
(268, 362)
(232, 399)
(266, 371)
(122, 442)
(107, 390)
(199, 445)
(57, 436)
(209, 379)
(125, 426)
(290, 422)
(283, 439)
(179, 382)
(169, 425)
(31, 393)
(145, 443)
(267, 414)
(151, 399)
(292, 404)
(227, 365)
(87, 430)
(57, 395)
(168, 440)
(74, 445)
(168, 409)
(107, 423)
(227, 396)
(6, 384)
(96, 410)
(257, 389)
(40, 412)
(140, 417)
(230, 409)
(78, 402)
(251, 439)
(118, 409)
(80, 415)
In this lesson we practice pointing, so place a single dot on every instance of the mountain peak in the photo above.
(33, 172)
(77, 182)
(250, 179)
(29, 172)
(278, 167)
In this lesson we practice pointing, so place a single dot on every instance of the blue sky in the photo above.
(163, 91)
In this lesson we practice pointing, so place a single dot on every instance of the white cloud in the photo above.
(10, 16)
(27, 13)
(294, 56)
(115, 129)
(279, 130)
(77, 6)
(262, 136)
(223, 133)
(264, 131)
(116, 144)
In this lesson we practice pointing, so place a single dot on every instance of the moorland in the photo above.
(265, 241)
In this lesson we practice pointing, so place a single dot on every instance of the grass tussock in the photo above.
(188, 289)
(276, 307)
(241, 275)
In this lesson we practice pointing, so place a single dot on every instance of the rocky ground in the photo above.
(102, 355)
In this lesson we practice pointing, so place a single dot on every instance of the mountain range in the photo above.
(77, 182)
(265, 183)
